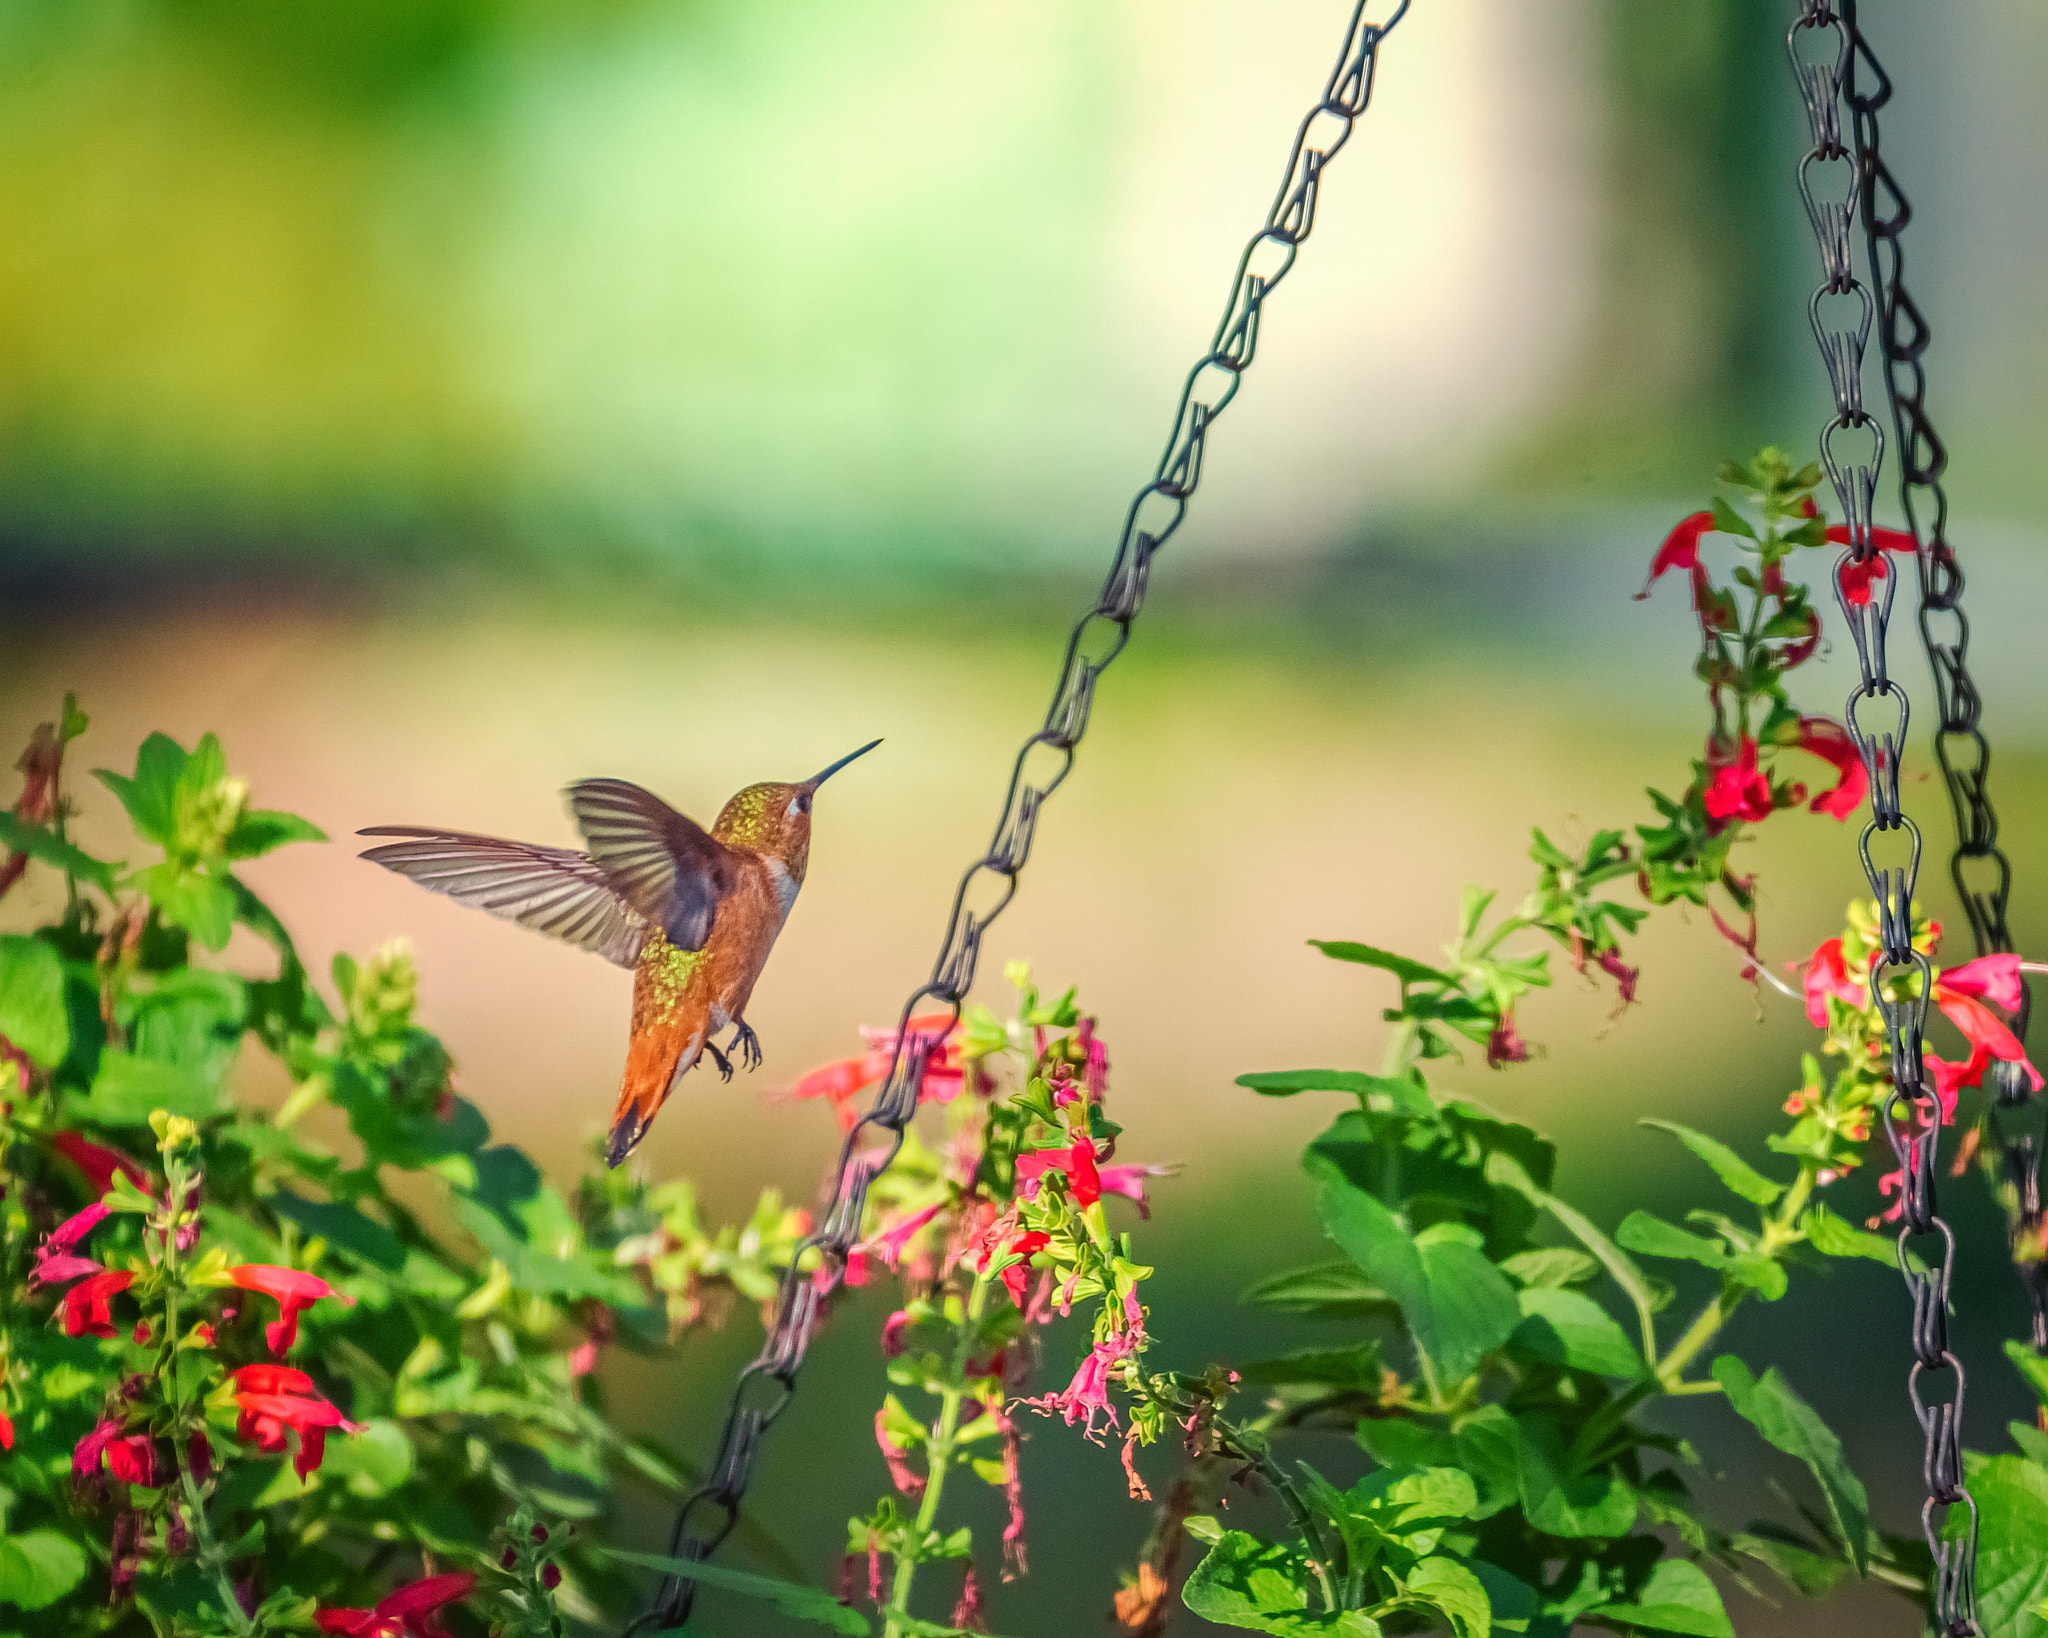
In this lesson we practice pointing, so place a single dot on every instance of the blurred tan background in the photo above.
(447, 399)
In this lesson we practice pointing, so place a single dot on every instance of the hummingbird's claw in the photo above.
(724, 1063)
(747, 1044)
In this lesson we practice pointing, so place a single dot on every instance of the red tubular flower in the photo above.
(1625, 977)
(1681, 550)
(85, 1305)
(131, 1457)
(1026, 1246)
(275, 1398)
(901, 1474)
(1830, 741)
(890, 1244)
(1827, 974)
(1082, 1177)
(1950, 1079)
(98, 1164)
(839, 1081)
(1505, 1045)
(1738, 791)
(6, 1432)
(407, 1613)
(892, 1333)
(133, 1460)
(1961, 993)
(1857, 577)
(294, 1290)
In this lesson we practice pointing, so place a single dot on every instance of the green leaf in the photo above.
(128, 1089)
(1457, 1305)
(1785, 1420)
(1811, 1574)
(32, 1012)
(2012, 1570)
(1263, 1587)
(1677, 1597)
(2030, 1365)
(1355, 1367)
(805, 1603)
(1559, 1500)
(1831, 1236)
(1405, 1091)
(39, 842)
(1549, 1267)
(201, 903)
(38, 1567)
(1445, 1584)
(1569, 1328)
(1329, 1290)
(151, 795)
(1741, 1177)
(1653, 1237)
(261, 829)
(1763, 1275)
(1620, 1267)
(1408, 972)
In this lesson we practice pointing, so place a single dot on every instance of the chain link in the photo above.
(1979, 868)
(766, 1386)
(1825, 47)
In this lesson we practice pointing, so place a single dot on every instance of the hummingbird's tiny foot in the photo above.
(724, 1063)
(747, 1044)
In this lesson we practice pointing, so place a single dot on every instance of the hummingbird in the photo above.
(692, 912)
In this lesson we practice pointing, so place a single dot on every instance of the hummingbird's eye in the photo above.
(800, 803)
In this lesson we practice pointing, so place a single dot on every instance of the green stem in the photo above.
(208, 1545)
(1780, 1232)
(938, 1458)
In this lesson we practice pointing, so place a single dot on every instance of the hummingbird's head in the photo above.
(775, 820)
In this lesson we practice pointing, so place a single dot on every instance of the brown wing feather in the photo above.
(553, 890)
(664, 864)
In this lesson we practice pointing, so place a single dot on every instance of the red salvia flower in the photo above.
(1738, 791)
(901, 1474)
(1857, 577)
(1681, 550)
(294, 1290)
(6, 1432)
(98, 1164)
(85, 1307)
(407, 1613)
(1505, 1045)
(1830, 741)
(1961, 993)
(275, 1398)
(1827, 974)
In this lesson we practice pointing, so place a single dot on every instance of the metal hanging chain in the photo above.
(1960, 746)
(765, 1387)
(1823, 44)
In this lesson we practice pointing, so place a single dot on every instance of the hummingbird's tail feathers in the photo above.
(655, 1061)
(627, 1131)
(553, 890)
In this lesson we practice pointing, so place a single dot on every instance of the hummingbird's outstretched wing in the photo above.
(666, 866)
(554, 890)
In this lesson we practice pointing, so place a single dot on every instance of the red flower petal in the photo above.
(98, 1164)
(1082, 1176)
(1993, 978)
(1983, 1028)
(1830, 741)
(428, 1595)
(1681, 549)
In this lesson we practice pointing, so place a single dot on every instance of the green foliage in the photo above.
(1517, 1468)
(461, 1281)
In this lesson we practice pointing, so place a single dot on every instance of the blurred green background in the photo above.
(445, 399)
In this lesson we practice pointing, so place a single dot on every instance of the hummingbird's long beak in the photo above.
(818, 779)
